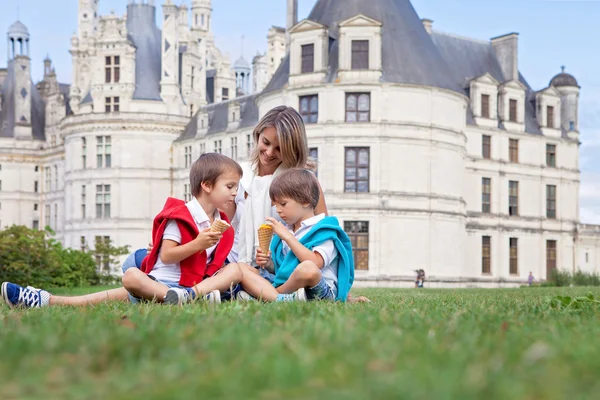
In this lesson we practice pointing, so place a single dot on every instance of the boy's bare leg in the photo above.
(257, 286)
(140, 285)
(246, 267)
(306, 275)
(119, 294)
(229, 276)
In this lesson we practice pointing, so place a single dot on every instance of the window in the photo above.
(83, 153)
(187, 195)
(358, 107)
(112, 69)
(360, 54)
(35, 206)
(551, 155)
(234, 149)
(358, 232)
(103, 201)
(82, 243)
(485, 105)
(356, 173)
(47, 215)
(37, 168)
(550, 116)
(551, 258)
(308, 58)
(309, 108)
(313, 153)
(111, 104)
(486, 147)
(486, 195)
(36, 186)
(188, 156)
(56, 177)
(486, 251)
(513, 198)
(55, 216)
(587, 258)
(551, 201)
(217, 146)
(225, 93)
(514, 256)
(102, 260)
(249, 144)
(35, 225)
(103, 150)
(202, 148)
(513, 150)
(192, 79)
(571, 126)
(48, 179)
(83, 201)
(512, 110)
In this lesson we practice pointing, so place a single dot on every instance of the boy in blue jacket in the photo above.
(311, 255)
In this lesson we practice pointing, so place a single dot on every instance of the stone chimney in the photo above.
(292, 17)
(507, 52)
(428, 24)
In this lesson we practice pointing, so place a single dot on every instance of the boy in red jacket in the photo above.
(189, 260)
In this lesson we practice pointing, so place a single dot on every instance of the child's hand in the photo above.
(262, 259)
(207, 239)
(278, 228)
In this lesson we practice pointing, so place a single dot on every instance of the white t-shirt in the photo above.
(172, 272)
(326, 249)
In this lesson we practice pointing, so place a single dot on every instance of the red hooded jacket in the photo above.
(194, 268)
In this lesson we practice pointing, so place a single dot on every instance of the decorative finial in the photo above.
(243, 46)
(562, 67)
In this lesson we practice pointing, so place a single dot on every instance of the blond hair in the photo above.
(291, 135)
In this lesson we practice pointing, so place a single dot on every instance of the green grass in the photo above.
(406, 344)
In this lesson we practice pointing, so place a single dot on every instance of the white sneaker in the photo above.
(244, 296)
(213, 297)
(178, 296)
(300, 294)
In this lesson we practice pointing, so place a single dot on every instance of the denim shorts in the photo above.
(134, 259)
(322, 291)
(136, 300)
(267, 275)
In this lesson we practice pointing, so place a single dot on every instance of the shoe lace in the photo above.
(29, 297)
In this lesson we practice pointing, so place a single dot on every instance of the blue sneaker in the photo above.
(298, 295)
(29, 297)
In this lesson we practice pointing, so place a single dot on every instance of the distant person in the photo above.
(530, 278)
(420, 281)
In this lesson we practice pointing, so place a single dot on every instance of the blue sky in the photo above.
(552, 33)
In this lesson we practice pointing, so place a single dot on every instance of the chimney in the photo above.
(507, 53)
(292, 17)
(428, 24)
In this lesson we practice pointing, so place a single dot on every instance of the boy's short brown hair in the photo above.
(298, 184)
(208, 168)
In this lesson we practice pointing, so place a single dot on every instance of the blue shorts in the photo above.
(322, 291)
(134, 259)
(267, 275)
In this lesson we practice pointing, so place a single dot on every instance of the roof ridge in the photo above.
(454, 35)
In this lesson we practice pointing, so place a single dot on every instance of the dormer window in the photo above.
(485, 105)
(550, 117)
(360, 54)
(512, 110)
(308, 58)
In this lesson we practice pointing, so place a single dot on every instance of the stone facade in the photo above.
(432, 149)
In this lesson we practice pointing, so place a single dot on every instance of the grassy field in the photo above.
(406, 344)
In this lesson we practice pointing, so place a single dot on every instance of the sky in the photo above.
(552, 33)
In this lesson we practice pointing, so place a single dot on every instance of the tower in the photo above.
(201, 13)
(87, 18)
(568, 88)
(20, 63)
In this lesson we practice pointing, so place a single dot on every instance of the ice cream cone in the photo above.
(265, 234)
(219, 225)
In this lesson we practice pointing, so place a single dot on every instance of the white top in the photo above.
(250, 213)
(172, 272)
(326, 249)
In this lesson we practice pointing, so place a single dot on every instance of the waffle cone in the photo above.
(219, 225)
(265, 234)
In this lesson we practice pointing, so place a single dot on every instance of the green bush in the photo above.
(32, 257)
(579, 278)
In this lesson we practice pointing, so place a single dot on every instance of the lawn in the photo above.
(406, 344)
